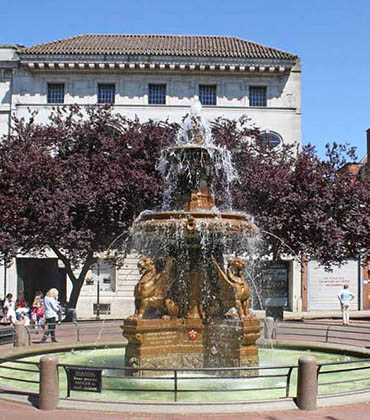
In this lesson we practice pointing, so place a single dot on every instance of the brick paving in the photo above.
(110, 331)
(13, 411)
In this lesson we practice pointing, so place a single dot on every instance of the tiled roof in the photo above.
(159, 45)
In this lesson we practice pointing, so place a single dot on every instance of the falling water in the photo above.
(196, 229)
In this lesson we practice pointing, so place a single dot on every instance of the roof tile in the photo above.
(159, 45)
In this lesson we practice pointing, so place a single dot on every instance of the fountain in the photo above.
(189, 311)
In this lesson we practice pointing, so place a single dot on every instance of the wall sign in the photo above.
(324, 286)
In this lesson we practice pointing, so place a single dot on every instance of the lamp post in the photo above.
(5, 275)
(98, 292)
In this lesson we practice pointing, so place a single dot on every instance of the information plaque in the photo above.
(84, 379)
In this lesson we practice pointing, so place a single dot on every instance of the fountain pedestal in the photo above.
(189, 343)
(232, 343)
(154, 343)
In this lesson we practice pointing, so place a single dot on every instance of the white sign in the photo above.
(324, 286)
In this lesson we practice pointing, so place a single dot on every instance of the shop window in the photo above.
(272, 287)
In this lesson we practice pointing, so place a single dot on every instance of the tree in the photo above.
(304, 205)
(76, 183)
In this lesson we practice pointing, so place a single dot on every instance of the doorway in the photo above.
(36, 274)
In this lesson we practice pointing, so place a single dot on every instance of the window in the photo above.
(55, 93)
(207, 94)
(157, 94)
(271, 139)
(273, 287)
(106, 93)
(257, 96)
(103, 274)
(104, 309)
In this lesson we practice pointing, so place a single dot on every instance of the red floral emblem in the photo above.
(192, 334)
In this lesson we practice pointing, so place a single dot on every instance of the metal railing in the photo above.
(110, 330)
(7, 335)
(258, 383)
(79, 332)
(16, 366)
(179, 379)
(353, 335)
(352, 376)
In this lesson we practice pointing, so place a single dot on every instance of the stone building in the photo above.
(157, 77)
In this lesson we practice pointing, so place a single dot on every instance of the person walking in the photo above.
(345, 296)
(52, 308)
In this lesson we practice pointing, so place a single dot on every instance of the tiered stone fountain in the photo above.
(189, 311)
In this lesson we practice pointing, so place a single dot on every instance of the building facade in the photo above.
(152, 77)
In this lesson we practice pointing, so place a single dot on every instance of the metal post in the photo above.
(175, 384)
(98, 294)
(5, 275)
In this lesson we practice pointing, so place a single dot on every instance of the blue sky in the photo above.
(331, 36)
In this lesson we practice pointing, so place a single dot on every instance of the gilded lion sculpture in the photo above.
(152, 288)
(234, 276)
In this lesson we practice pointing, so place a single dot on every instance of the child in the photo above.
(24, 319)
(38, 311)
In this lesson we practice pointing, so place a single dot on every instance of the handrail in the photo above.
(329, 333)
(20, 369)
(109, 330)
(351, 380)
(8, 331)
(174, 376)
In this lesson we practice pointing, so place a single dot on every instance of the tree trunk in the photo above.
(75, 293)
(77, 283)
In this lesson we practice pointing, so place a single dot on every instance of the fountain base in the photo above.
(189, 343)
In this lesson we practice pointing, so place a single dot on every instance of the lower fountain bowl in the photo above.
(197, 221)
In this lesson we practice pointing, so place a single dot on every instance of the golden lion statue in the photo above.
(152, 288)
(234, 276)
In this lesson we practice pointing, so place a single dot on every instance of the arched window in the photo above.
(271, 139)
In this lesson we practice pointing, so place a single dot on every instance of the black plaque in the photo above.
(84, 379)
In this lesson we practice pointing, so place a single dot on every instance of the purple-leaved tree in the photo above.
(75, 183)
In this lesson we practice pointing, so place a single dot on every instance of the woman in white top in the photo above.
(52, 308)
(9, 309)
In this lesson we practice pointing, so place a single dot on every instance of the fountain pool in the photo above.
(193, 386)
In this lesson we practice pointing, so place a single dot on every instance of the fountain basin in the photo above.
(200, 386)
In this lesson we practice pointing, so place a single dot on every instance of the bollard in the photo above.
(269, 327)
(307, 383)
(21, 336)
(49, 383)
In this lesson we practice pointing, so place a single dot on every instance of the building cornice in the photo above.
(197, 65)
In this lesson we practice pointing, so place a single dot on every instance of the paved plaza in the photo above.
(12, 411)
(20, 406)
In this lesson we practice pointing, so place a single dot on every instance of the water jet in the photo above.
(189, 311)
